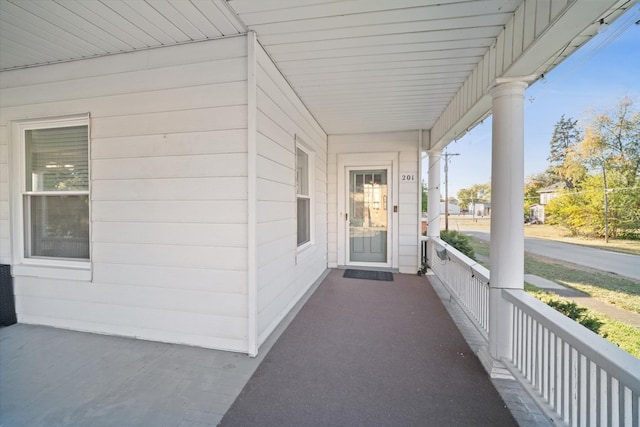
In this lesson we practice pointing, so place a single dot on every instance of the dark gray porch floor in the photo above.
(370, 353)
(364, 353)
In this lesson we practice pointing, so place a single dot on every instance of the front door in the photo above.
(368, 216)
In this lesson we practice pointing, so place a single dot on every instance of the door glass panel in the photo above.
(368, 216)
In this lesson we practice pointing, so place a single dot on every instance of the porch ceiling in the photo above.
(363, 66)
(358, 65)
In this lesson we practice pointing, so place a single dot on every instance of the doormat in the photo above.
(368, 275)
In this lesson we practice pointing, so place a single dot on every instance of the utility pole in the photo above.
(606, 203)
(473, 203)
(446, 188)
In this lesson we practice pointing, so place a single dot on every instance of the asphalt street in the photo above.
(622, 264)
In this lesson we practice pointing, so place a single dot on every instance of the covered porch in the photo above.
(353, 352)
(347, 89)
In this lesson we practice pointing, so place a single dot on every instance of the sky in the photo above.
(593, 79)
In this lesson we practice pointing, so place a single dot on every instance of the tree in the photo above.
(566, 136)
(618, 140)
(612, 147)
(607, 202)
(475, 193)
(425, 197)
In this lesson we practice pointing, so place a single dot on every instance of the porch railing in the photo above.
(467, 280)
(576, 376)
(584, 379)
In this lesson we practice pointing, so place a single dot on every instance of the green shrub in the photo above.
(459, 241)
(572, 310)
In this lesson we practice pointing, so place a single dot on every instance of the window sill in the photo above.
(66, 270)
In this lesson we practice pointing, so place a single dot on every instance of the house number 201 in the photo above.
(408, 177)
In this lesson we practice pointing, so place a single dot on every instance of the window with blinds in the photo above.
(57, 159)
(56, 196)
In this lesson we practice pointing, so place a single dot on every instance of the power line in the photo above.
(625, 21)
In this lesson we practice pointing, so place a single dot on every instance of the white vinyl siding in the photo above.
(5, 247)
(406, 145)
(284, 275)
(169, 193)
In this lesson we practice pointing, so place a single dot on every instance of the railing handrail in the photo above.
(611, 358)
(473, 296)
(477, 268)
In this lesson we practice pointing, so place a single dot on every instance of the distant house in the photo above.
(550, 192)
(453, 209)
(536, 212)
(479, 209)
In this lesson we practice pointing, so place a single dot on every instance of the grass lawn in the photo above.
(625, 336)
(481, 248)
(622, 292)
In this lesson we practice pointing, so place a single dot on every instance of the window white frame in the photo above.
(304, 148)
(64, 268)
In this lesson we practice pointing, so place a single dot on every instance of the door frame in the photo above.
(364, 161)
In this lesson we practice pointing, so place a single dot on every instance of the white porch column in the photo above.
(433, 188)
(507, 202)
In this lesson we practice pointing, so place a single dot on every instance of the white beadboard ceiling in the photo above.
(358, 65)
(36, 32)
